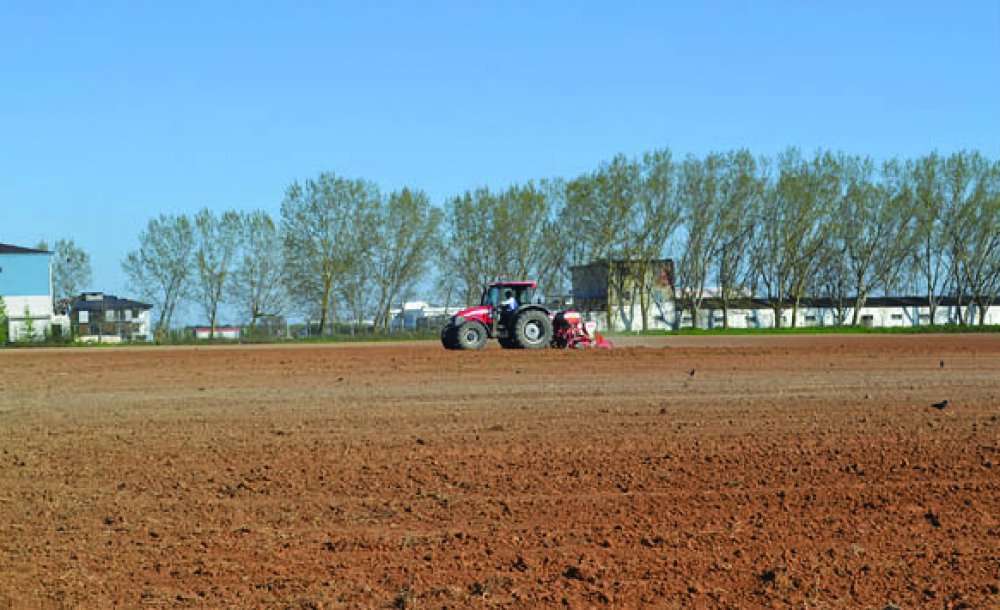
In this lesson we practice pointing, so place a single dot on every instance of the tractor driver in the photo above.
(509, 303)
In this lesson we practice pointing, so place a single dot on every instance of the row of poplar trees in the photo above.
(780, 229)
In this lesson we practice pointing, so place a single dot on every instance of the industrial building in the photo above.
(647, 291)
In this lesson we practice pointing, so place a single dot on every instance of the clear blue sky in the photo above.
(112, 112)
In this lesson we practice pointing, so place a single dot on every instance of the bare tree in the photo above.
(257, 286)
(325, 227)
(159, 271)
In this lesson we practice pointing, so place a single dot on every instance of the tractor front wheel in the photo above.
(449, 337)
(471, 335)
(532, 329)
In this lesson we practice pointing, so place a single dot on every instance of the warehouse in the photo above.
(26, 289)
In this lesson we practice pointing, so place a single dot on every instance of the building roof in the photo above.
(9, 249)
(96, 301)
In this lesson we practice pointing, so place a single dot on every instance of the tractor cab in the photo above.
(498, 292)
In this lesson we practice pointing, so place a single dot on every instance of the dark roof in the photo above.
(603, 262)
(526, 283)
(102, 302)
(9, 249)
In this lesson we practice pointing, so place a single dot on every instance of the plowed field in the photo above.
(676, 472)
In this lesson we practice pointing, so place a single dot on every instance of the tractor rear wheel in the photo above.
(471, 335)
(532, 329)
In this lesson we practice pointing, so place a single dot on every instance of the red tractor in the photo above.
(510, 312)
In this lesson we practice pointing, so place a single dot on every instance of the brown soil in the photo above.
(716, 472)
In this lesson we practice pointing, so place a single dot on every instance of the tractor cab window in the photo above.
(525, 295)
(491, 296)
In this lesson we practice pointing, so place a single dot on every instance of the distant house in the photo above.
(103, 318)
(26, 289)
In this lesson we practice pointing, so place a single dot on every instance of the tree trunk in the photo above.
(607, 301)
(325, 305)
(859, 303)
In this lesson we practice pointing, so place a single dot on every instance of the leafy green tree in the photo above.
(793, 228)
(602, 207)
(216, 243)
(326, 227)
(972, 231)
(657, 216)
(29, 326)
(702, 205)
(497, 234)
(927, 261)
(159, 271)
(741, 192)
(873, 227)
(71, 270)
(257, 286)
(405, 233)
(4, 328)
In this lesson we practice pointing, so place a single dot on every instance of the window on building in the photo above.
(897, 316)
(84, 317)
(128, 315)
(109, 315)
(810, 318)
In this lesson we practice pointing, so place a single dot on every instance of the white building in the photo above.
(225, 333)
(26, 289)
(878, 312)
(420, 314)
